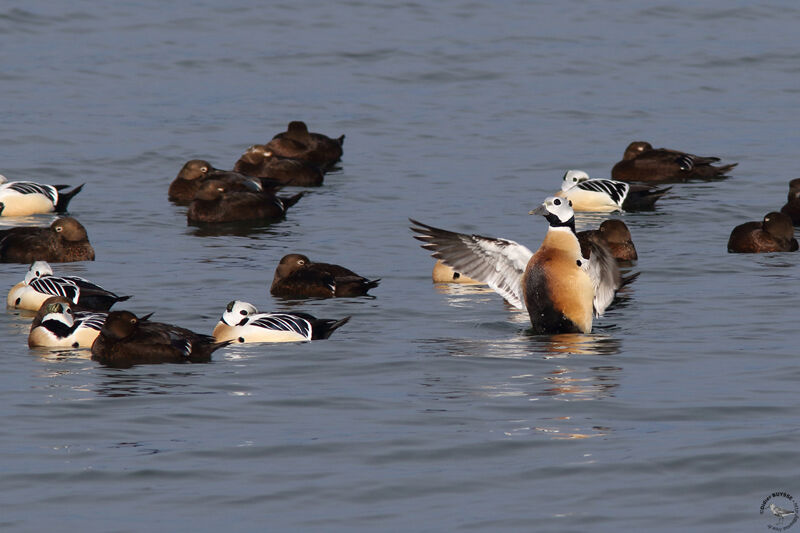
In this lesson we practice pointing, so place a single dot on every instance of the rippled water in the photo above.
(432, 409)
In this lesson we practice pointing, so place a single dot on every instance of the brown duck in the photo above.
(297, 276)
(792, 206)
(64, 241)
(298, 143)
(774, 234)
(642, 162)
(197, 171)
(615, 235)
(259, 162)
(125, 340)
(215, 202)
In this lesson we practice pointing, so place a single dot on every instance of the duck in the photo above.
(58, 325)
(642, 162)
(196, 172)
(23, 198)
(260, 162)
(64, 241)
(792, 206)
(126, 340)
(40, 284)
(561, 289)
(444, 274)
(296, 276)
(615, 235)
(607, 195)
(215, 202)
(774, 233)
(298, 143)
(241, 322)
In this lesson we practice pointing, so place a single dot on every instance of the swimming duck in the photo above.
(297, 276)
(444, 274)
(196, 172)
(561, 289)
(774, 234)
(216, 202)
(241, 322)
(614, 234)
(58, 325)
(40, 284)
(260, 162)
(65, 240)
(606, 195)
(22, 198)
(125, 340)
(296, 142)
(642, 162)
(792, 206)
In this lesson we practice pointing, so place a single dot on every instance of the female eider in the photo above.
(65, 240)
(792, 205)
(606, 195)
(561, 289)
(774, 234)
(614, 234)
(126, 340)
(241, 322)
(642, 162)
(23, 198)
(216, 202)
(40, 284)
(58, 325)
(296, 276)
(259, 162)
(298, 143)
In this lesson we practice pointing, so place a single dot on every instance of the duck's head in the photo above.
(119, 325)
(195, 169)
(56, 308)
(37, 270)
(237, 312)
(558, 212)
(572, 178)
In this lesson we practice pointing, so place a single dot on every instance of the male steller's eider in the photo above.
(606, 195)
(241, 322)
(561, 289)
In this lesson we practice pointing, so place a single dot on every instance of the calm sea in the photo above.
(432, 410)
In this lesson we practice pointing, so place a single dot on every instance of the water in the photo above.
(432, 409)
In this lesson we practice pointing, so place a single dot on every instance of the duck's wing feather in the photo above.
(56, 286)
(616, 190)
(283, 322)
(499, 263)
(603, 270)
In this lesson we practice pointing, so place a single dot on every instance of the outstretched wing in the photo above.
(499, 263)
(603, 270)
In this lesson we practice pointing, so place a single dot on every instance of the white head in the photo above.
(558, 212)
(236, 311)
(37, 270)
(3, 179)
(59, 311)
(572, 178)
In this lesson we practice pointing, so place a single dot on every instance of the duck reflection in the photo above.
(117, 383)
(239, 229)
(547, 369)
